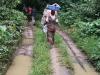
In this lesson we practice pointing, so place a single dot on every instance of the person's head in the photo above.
(52, 12)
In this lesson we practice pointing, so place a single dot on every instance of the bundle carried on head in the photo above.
(54, 7)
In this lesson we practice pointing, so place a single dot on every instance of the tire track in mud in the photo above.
(58, 69)
(22, 61)
(80, 64)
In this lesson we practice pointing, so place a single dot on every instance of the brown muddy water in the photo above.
(21, 66)
(22, 61)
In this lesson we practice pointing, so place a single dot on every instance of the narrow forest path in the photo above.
(80, 64)
(22, 62)
(58, 69)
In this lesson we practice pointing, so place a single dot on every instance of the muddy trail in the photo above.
(58, 69)
(79, 60)
(22, 61)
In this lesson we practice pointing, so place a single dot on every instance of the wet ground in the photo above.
(58, 69)
(22, 62)
(80, 64)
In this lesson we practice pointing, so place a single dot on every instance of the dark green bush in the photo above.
(11, 14)
(9, 3)
(11, 25)
(68, 18)
(89, 28)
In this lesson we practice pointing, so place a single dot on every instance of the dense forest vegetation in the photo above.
(80, 18)
(11, 26)
(82, 22)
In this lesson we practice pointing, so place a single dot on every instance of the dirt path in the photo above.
(23, 56)
(81, 66)
(58, 69)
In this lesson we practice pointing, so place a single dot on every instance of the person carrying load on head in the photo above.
(49, 20)
(50, 11)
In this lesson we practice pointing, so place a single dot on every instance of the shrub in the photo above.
(11, 26)
(9, 3)
(68, 18)
(89, 28)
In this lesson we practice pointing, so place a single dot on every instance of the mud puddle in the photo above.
(21, 66)
(22, 61)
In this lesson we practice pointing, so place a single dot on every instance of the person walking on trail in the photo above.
(34, 12)
(49, 12)
(29, 13)
(33, 15)
(48, 20)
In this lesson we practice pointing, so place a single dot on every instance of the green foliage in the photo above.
(68, 18)
(11, 26)
(86, 8)
(9, 3)
(65, 4)
(7, 44)
(83, 17)
(41, 60)
(9, 37)
(11, 14)
(90, 46)
(89, 28)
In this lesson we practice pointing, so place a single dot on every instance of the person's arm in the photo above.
(43, 20)
(56, 14)
(57, 19)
